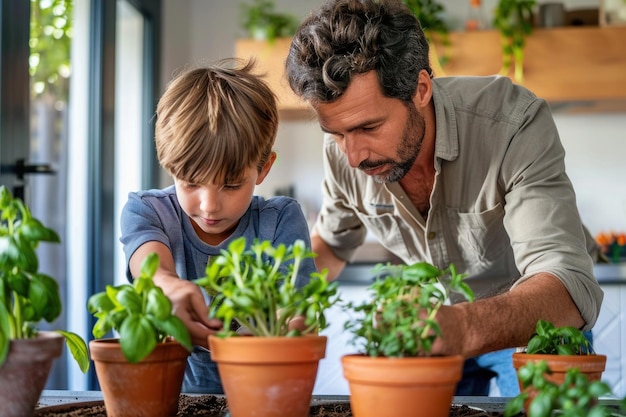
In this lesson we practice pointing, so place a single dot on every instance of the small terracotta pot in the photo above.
(407, 387)
(591, 366)
(150, 388)
(268, 376)
(25, 372)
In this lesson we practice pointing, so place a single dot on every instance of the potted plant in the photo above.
(141, 371)
(562, 348)
(575, 396)
(263, 22)
(27, 297)
(270, 367)
(513, 18)
(395, 332)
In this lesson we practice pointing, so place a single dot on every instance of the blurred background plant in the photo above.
(261, 21)
(613, 245)
(430, 15)
(514, 20)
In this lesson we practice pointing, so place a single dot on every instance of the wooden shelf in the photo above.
(570, 64)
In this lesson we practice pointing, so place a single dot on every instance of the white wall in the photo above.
(198, 31)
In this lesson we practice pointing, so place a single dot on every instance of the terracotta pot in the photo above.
(590, 365)
(25, 372)
(408, 387)
(268, 376)
(150, 388)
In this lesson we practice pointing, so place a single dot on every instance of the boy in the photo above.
(214, 135)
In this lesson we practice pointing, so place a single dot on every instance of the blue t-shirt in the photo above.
(156, 215)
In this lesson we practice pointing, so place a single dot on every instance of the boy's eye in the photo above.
(232, 186)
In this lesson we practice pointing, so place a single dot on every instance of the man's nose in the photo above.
(355, 151)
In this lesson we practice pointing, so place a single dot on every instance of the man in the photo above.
(463, 170)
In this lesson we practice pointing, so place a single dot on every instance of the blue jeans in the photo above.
(479, 370)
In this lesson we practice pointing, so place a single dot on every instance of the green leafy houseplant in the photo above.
(262, 21)
(394, 332)
(400, 319)
(27, 296)
(576, 396)
(256, 288)
(513, 18)
(551, 340)
(140, 312)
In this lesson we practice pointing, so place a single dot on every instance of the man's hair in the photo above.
(214, 123)
(344, 38)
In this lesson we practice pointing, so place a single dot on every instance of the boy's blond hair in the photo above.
(215, 122)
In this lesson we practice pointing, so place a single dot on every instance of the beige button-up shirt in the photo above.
(502, 207)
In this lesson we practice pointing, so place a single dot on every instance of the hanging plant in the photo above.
(430, 15)
(513, 18)
(262, 22)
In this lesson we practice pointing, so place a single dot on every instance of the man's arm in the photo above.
(507, 320)
(187, 300)
(326, 258)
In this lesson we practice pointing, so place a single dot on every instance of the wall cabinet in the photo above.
(569, 64)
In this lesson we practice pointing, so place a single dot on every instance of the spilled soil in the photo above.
(216, 406)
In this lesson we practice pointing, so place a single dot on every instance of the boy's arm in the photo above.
(187, 300)
(326, 258)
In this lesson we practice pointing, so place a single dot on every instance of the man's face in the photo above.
(380, 135)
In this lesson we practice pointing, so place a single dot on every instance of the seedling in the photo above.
(256, 287)
(399, 321)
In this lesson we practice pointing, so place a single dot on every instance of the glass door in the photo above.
(65, 146)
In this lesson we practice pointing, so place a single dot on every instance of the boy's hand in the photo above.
(189, 305)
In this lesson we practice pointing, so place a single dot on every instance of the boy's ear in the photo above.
(266, 168)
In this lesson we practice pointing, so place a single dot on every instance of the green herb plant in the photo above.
(430, 15)
(399, 321)
(577, 396)
(140, 312)
(551, 340)
(262, 21)
(513, 18)
(27, 296)
(256, 288)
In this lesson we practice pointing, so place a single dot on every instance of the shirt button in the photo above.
(431, 235)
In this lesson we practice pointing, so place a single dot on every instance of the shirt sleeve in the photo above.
(140, 223)
(290, 226)
(337, 223)
(541, 215)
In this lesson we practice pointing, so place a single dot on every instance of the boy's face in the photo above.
(215, 209)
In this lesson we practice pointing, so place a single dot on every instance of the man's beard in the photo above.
(409, 148)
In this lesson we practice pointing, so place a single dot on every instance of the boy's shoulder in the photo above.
(273, 203)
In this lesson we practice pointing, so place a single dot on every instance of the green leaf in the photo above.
(77, 348)
(129, 298)
(137, 338)
(149, 265)
(44, 297)
(158, 304)
(174, 327)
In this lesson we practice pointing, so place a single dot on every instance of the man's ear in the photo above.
(266, 168)
(424, 91)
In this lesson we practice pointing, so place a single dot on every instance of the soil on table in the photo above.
(215, 406)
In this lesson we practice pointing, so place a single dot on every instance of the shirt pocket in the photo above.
(481, 237)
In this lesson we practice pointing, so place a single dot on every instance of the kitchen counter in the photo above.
(610, 273)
